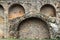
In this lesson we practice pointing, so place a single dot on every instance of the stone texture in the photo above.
(33, 28)
(12, 17)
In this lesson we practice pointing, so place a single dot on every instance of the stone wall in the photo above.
(14, 12)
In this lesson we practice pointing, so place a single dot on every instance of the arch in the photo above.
(16, 10)
(1, 21)
(1, 10)
(48, 10)
(38, 28)
(1, 14)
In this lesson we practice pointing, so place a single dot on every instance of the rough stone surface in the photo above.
(14, 12)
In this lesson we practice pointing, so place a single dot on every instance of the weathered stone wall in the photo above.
(13, 12)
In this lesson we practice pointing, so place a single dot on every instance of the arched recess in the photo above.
(1, 10)
(1, 14)
(48, 10)
(2, 22)
(33, 28)
(16, 10)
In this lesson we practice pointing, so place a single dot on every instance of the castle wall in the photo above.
(13, 12)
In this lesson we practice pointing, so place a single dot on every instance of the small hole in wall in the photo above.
(48, 10)
(9, 3)
(16, 10)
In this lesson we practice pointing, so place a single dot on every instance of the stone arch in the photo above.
(1, 21)
(16, 10)
(33, 27)
(48, 10)
(1, 14)
(1, 10)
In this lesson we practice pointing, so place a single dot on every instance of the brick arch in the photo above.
(33, 24)
(16, 10)
(48, 10)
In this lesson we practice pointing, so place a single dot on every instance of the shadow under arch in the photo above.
(1, 7)
(16, 10)
(35, 25)
(48, 10)
(1, 10)
(2, 26)
(1, 14)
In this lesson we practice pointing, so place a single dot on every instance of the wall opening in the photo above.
(1, 21)
(48, 10)
(33, 28)
(1, 10)
(1, 14)
(16, 10)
